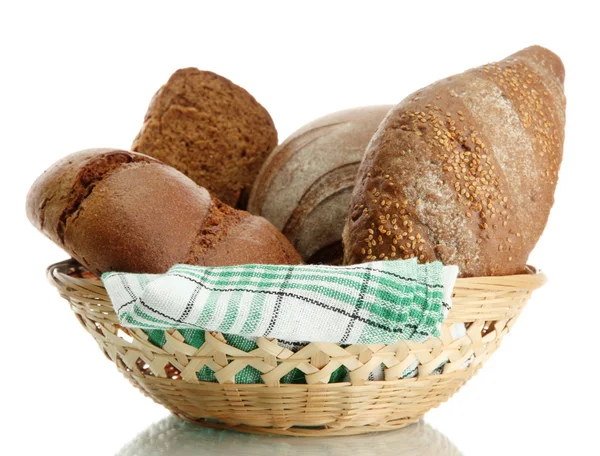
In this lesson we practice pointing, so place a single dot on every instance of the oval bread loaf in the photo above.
(115, 210)
(464, 170)
(304, 187)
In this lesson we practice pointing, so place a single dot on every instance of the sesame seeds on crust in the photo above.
(446, 178)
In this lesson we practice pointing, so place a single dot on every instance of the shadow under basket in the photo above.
(488, 306)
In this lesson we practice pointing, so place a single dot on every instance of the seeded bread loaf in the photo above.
(211, 130)
(304, 187)
(464, 170)
(115, 210)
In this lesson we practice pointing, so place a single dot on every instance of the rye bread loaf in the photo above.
(464, 170)
(304, 187)
(115, 210)
(211, 130)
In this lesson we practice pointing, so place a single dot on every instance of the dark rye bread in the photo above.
(115, 210)
(57, 194)
(211, 130)
(304, 187)
(464, 170)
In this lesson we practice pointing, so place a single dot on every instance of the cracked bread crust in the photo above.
(115, 210)
(211, 130)
(57, 194)
(141, 218)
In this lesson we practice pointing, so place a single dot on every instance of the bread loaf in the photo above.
(464, 170)
(304, 187)
(211, 130)
(115, 210)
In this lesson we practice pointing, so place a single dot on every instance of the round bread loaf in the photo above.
(464, 170)
(211, 130)
(115, 210)
(304, 187)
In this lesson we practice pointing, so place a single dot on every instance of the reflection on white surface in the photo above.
(174, 437)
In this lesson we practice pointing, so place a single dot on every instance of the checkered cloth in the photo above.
(378, 302)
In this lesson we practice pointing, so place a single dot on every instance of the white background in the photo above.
(81, 75)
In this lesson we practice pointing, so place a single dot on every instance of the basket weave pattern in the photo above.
(488, 306)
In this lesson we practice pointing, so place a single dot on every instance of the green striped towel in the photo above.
(370, 303)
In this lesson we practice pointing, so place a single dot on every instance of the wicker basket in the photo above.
(488, 306)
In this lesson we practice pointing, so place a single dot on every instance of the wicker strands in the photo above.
(488, 306)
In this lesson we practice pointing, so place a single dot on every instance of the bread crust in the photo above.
(305, 185)
(115, 210)
(464, 170)
(56, 194)
(211, 130)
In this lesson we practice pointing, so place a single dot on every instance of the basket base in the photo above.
(303, 410)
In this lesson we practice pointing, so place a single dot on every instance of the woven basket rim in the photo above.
(463, 305)
(532, 279)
